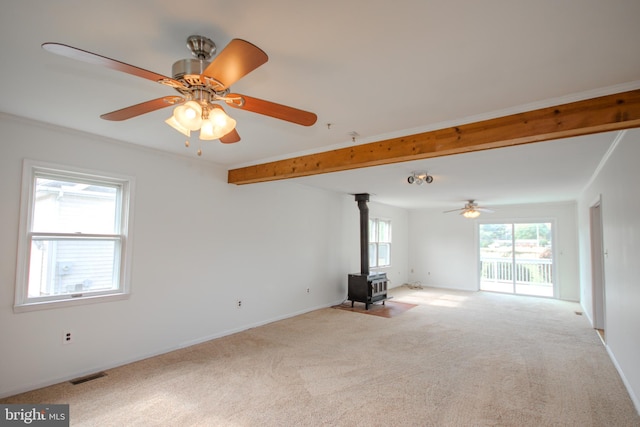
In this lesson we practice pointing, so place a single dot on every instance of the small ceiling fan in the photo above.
(470, 210)
(203, 84)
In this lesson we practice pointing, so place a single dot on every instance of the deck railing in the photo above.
(527, 271)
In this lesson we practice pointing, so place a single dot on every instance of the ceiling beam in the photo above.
(606, 113)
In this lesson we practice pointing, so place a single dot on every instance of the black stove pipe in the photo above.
(362, 200)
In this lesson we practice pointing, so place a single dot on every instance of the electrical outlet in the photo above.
(67, 337)
(308, 290)
(239, 303)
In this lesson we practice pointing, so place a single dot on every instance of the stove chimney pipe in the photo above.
(362, 200)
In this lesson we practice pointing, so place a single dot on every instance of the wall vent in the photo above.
(88, 378)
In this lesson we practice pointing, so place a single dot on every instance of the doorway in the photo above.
(597, 268)
(517, 258)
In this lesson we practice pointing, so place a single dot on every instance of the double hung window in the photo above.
(74, 242)
(379, 242)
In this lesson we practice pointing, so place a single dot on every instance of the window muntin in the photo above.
(74, 234)
(379, 243)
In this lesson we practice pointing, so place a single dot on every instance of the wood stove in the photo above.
(365, 286)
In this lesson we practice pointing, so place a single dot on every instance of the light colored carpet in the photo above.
(456, 359)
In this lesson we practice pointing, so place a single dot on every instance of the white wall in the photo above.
(199, 245)
(398, 272)
(442, 250)
(443, 247)
(617, 185)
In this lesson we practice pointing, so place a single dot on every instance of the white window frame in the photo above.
(125, 184)
(376, 243)
(513, 222)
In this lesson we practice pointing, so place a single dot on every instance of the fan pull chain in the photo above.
(188, 144)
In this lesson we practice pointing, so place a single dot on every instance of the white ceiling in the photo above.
(381, 69)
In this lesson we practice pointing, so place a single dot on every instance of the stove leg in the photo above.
(352, 303)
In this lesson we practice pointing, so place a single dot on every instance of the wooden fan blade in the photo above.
(142, 108)
(271, 109)
(235, 61)
(231, 137)
(93, 58)
(454, 210)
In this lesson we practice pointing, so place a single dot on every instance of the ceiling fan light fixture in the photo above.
(189, 115)
(208, 131)
(217, 125)
(470, 210)
(471, 213)
(221, 119)
(199, 82)
(171, 121)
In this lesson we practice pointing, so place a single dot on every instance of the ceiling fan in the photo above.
(470, 210)
(203, 84)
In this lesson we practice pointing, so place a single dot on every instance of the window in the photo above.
(517, 258)
(74, 237)
(379, 243)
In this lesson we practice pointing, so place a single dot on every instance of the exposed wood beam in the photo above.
(607, 113)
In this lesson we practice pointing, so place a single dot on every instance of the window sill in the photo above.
(71, 302)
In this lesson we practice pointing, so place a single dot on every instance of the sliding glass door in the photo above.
(516, 258)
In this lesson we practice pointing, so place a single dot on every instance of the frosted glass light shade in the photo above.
(471, 213)
(208, 130)
(217, 125)
(189, 115)
(171, 121)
